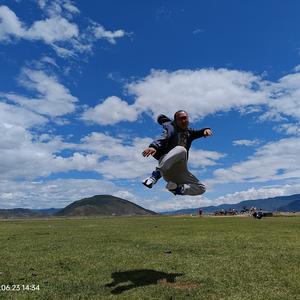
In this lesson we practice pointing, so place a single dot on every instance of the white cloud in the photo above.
(289, 129)
(100, 33)
(63, 53)
(206, 92)
(200, 93)
(49, 60)
(265, 164)
(297, 68)
(52, 30)
(202, 158)
(58, 7)
(10, 25)
(53, 99)
(176, 203)
(284, 97)
(25, 155)
(246, 142)
(14, 115)
(42, 3)
(111, 111)
(120, 158)
(28, 155)
(198, 31)
(56, 31)
(70, 7)
(47, 194)
(49, 30)
(253, 194)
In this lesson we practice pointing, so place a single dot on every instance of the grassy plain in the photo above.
(155, 257)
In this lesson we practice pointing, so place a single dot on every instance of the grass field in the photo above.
(156, 257)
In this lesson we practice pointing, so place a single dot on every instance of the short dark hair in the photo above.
(178, 112)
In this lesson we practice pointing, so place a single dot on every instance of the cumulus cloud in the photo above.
(52, 30)
(274, 161)
(56, 30)
(45, 194)
(111, 111)
(48, 30)
(25, 155)
(14, 115)
(29, 155)
(120, 157)
(202, 158)
(206, 92)
(53, 99)
(289, 129)
(10, 25)
(200, 92)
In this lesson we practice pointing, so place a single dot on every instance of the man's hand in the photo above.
(207, 132)
(149, 151)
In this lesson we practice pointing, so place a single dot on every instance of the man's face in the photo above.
(182, 120)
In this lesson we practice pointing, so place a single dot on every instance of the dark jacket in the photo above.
(161, 143)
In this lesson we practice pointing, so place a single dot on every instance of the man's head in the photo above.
(181, 119)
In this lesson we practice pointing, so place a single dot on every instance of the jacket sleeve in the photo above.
(160, 140)
(197, 133)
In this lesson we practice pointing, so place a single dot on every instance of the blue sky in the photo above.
(82, 83)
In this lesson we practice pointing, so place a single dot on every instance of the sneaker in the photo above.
(151, 180)
(176, 189)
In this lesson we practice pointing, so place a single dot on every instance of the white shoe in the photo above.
(151, 180)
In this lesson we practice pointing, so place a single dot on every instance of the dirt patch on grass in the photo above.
(178, 284)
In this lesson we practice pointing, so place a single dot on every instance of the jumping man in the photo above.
(171, 149)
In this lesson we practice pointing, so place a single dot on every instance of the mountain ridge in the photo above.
(111, 205)
(278, 203)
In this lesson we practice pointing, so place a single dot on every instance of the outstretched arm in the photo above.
(149, 151)
(207, 132)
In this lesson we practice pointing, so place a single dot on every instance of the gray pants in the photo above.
(173, 167)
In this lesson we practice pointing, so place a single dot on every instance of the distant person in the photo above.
(259, 215)
(255, 215)
(171, 149)
(200, 212)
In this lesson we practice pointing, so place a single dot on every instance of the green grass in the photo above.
(124, 258)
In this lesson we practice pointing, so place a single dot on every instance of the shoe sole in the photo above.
(171, 186)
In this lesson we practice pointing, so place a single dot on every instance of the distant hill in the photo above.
(282, 203)
(48, 210)
(106, 205)
(21, 213)
(103, 205)
(293, 206)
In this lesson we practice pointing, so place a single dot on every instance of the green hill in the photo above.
(103, 205)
